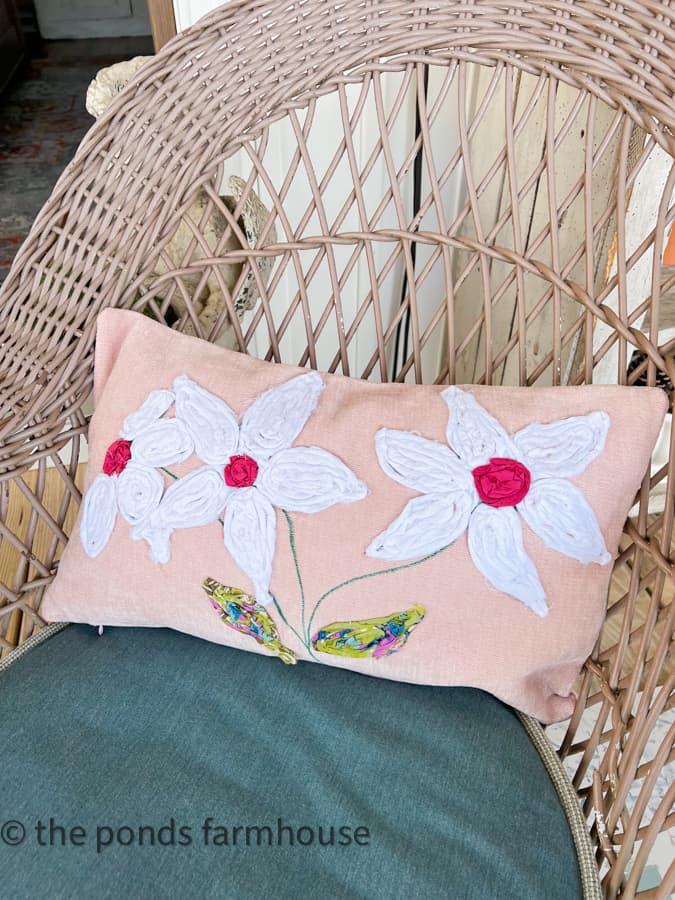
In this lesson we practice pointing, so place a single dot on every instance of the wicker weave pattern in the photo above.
(547, 98)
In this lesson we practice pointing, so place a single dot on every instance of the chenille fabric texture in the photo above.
(446, 536)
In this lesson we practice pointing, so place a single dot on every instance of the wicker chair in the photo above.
(560, 109)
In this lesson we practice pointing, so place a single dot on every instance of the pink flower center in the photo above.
(502, 482)
(116, 458)
(241, 471)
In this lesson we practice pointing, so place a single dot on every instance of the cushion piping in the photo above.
(34, 640)
(569, 800)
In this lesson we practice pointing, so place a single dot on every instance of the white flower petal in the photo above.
(475, 435)
(308, 479)
(427, 524)
(99, 511)
(153, 407)
(496, 547)
(565, 448)
(210, 421)
(250, 537)
(195, 500)
(158, 537)
(421, 464)
(139, 490)
(275, 418)
(163, 443)
(560, 515)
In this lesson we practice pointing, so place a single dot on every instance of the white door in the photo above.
(91, 18)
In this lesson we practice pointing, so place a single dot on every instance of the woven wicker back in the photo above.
(453, 192)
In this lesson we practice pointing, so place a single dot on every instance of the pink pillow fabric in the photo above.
(430, 534)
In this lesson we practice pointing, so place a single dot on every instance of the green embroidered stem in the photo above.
(410, 565)
(294, 552)
(305, 641)
(287, 624)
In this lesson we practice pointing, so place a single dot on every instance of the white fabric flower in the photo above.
(481, 479)
(130, 483)
(251, 468)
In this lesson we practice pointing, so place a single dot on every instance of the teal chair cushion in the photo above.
(154, 747)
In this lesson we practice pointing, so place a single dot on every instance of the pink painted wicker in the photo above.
(559, 108)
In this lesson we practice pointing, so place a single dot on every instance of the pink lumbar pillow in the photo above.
(437, 535)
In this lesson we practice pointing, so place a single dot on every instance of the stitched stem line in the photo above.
(410, 565)
(305, 640)
(417, 562)
(291, 537)
(286, 622)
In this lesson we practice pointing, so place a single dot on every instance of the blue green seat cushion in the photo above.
(145, 763)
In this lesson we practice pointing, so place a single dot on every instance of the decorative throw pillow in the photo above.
(429, 534)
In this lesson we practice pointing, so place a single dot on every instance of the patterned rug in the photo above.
(42, 121)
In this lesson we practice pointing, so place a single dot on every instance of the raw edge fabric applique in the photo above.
(374, 637)
(369, 637)
(239, 611)
(474, 484)
(482, 480)
(251, 470)
(327, 598)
